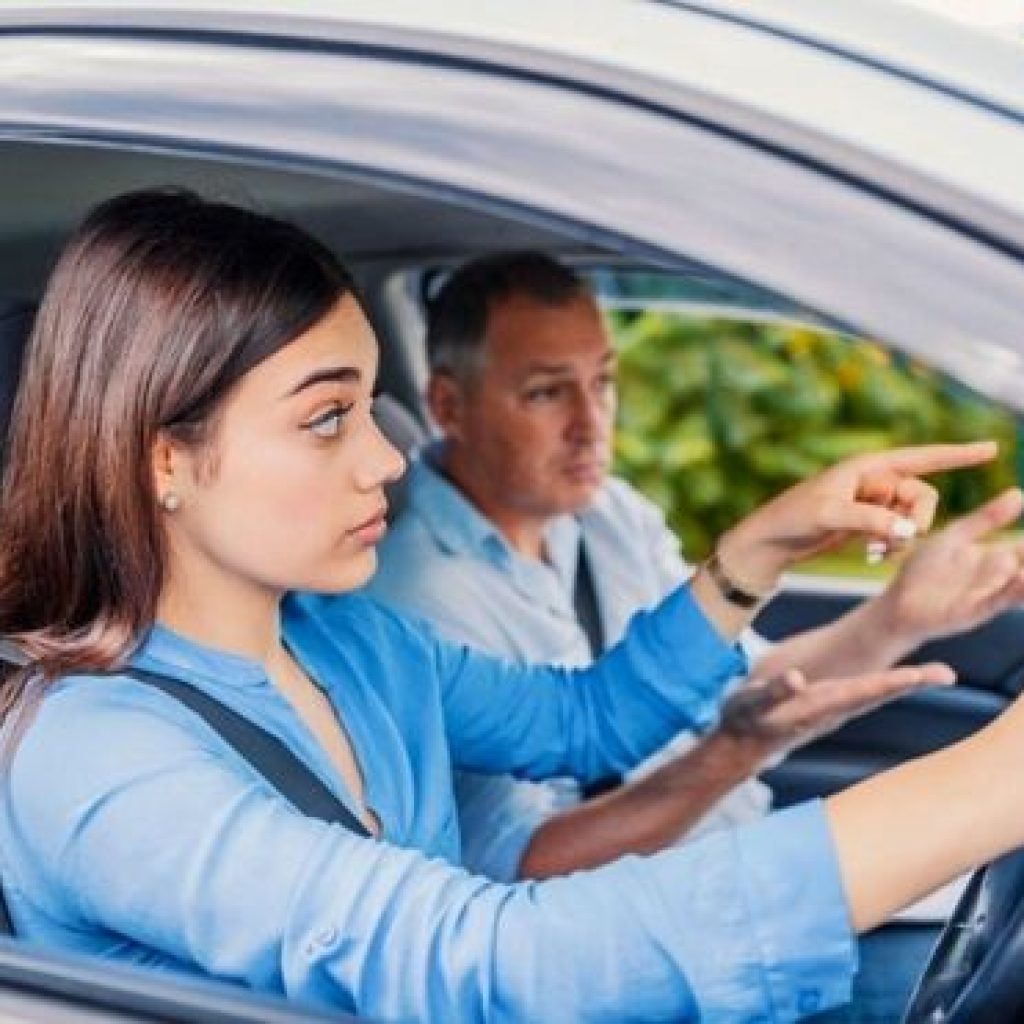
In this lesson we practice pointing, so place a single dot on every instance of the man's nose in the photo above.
(590, 416)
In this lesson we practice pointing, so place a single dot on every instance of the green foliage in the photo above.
(716, 416)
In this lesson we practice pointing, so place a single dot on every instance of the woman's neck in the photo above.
(227, 614)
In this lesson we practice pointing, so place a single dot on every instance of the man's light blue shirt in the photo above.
(131, 830)
(445, 561)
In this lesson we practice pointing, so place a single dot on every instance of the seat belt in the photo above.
(588, 615)
(263, 750)
(6, 924)
(584, 602)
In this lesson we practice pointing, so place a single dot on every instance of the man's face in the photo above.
(534, 425)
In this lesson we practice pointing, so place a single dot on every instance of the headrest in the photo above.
(15, 327)
(406, 433)
(398, 424)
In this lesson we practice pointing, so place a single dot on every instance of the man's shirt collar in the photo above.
(460, 528)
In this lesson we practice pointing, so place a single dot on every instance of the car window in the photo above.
(728, 394)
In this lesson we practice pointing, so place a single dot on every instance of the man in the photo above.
(516, 541)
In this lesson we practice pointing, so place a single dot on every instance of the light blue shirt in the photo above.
(445, 561)
(131, 830)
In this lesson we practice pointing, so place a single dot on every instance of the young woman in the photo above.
(192, 460)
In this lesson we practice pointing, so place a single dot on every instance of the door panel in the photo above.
(990, 657)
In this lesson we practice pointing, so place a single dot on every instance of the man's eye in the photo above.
(328, 423)
(545, 394)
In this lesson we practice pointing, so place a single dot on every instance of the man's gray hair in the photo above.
(457, 318)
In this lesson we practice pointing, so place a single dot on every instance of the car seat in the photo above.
(15, 326)
(407, 434)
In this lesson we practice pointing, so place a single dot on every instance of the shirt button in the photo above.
(323, 940)
(808, 1000)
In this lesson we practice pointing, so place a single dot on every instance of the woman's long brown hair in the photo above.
(159, 303)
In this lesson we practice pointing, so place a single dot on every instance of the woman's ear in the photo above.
(446, 402)
(167, 473)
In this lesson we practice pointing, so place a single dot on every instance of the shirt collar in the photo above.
(460, 528)
(456, 524)
(562, 538)
(164, 650)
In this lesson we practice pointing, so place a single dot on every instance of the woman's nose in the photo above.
(383, 463)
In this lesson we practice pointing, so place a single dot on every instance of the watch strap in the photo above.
(733, 592)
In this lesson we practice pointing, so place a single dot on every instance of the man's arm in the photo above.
(758, 722)
(641, 817)
(949, 583)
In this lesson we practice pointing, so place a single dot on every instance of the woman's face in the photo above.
(289, 494)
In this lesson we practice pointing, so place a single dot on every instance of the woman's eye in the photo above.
(328, 423)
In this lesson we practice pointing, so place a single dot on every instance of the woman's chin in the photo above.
(354, 573)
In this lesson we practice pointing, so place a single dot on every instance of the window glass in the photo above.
(727, 395)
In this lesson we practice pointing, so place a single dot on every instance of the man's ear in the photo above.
(446, 402)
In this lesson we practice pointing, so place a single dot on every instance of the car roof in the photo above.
(871, 86)
(895, 35)
(906, 151)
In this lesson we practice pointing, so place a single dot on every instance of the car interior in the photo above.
(858, 155)
(400, 242)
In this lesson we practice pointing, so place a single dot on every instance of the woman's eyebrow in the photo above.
(329, 374)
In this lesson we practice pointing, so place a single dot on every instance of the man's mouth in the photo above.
(585, 469)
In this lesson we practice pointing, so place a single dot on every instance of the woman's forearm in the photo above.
(903, 833)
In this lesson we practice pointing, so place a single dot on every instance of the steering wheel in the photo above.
(977, 970)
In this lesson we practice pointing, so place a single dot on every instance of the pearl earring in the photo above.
(170, 502)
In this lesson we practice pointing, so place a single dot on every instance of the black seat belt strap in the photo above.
(588, 615)
(264, 751)
(584, 601)
(6, 924)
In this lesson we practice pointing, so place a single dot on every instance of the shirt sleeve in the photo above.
(662, 544)
(671, 568)
(666, 675)
(156, 835)
(498, 816)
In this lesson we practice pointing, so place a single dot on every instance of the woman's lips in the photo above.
(371, 530)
